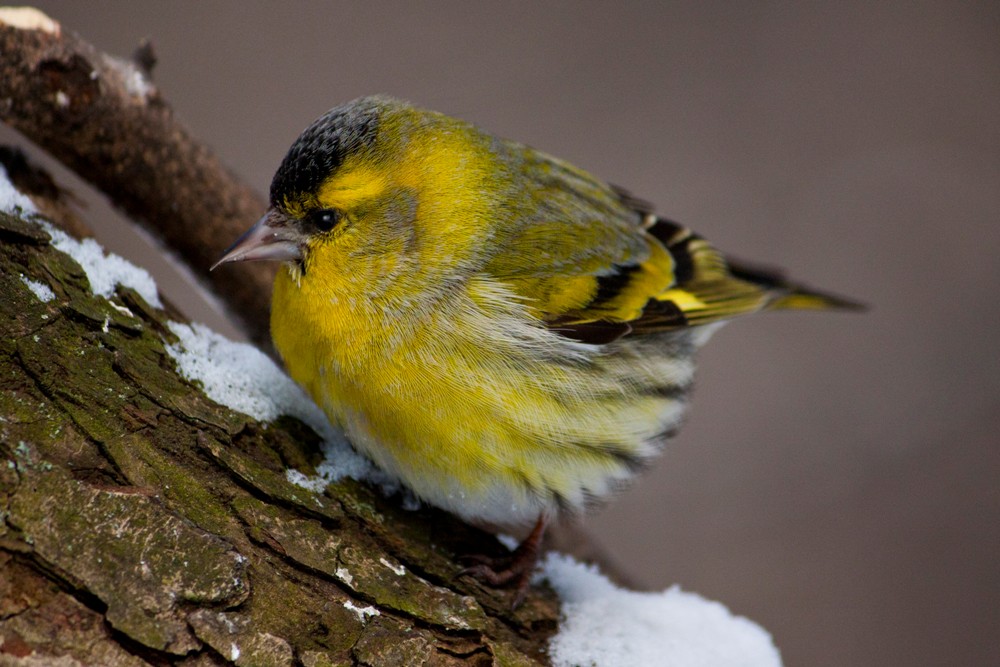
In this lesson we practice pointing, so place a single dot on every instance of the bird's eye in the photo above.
(324, 219)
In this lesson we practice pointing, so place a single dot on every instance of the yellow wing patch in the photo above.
(682, 299)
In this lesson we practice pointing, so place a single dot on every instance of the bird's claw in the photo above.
(515, 573)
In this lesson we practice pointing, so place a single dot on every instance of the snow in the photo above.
(242, 378)
(259, 389)
(105, 270)
(605, 626)
(314, 484)
(363, 613)
(27, 18)
(41, 290)
(11, 201)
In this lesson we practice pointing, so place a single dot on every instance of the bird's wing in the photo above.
(595, 264)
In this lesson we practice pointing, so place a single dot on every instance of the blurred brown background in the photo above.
(839, 479)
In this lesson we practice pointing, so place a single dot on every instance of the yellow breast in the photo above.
(467, 400)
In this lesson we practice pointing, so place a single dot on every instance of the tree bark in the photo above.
(143, 524)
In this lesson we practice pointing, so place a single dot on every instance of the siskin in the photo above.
(506, 334)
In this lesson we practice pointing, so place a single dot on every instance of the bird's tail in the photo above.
(790, 296)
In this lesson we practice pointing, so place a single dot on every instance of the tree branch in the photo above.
(103, 118)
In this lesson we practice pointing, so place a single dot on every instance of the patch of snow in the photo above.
(124, 310)
(28, 18)
(242, 378)
(105, 270)
(41, 290)
(605, 626)
(362, 612)
(314, 484)
(239, 376)
(398, 570)
(11, 200)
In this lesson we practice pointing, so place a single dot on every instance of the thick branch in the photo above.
(103, 118)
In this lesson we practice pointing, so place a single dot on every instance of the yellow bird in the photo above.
(504, 333)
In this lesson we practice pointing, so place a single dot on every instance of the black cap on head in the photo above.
(322, 146)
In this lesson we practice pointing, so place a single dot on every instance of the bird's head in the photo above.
(347, 193)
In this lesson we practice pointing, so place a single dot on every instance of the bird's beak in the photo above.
(273, 238)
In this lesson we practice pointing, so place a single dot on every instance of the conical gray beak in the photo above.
(272, 238)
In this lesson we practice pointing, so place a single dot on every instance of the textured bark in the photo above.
(103, 118)
(142, 524)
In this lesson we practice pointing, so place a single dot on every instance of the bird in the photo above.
(510, 337)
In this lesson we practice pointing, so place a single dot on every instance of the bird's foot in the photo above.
(514, 570)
